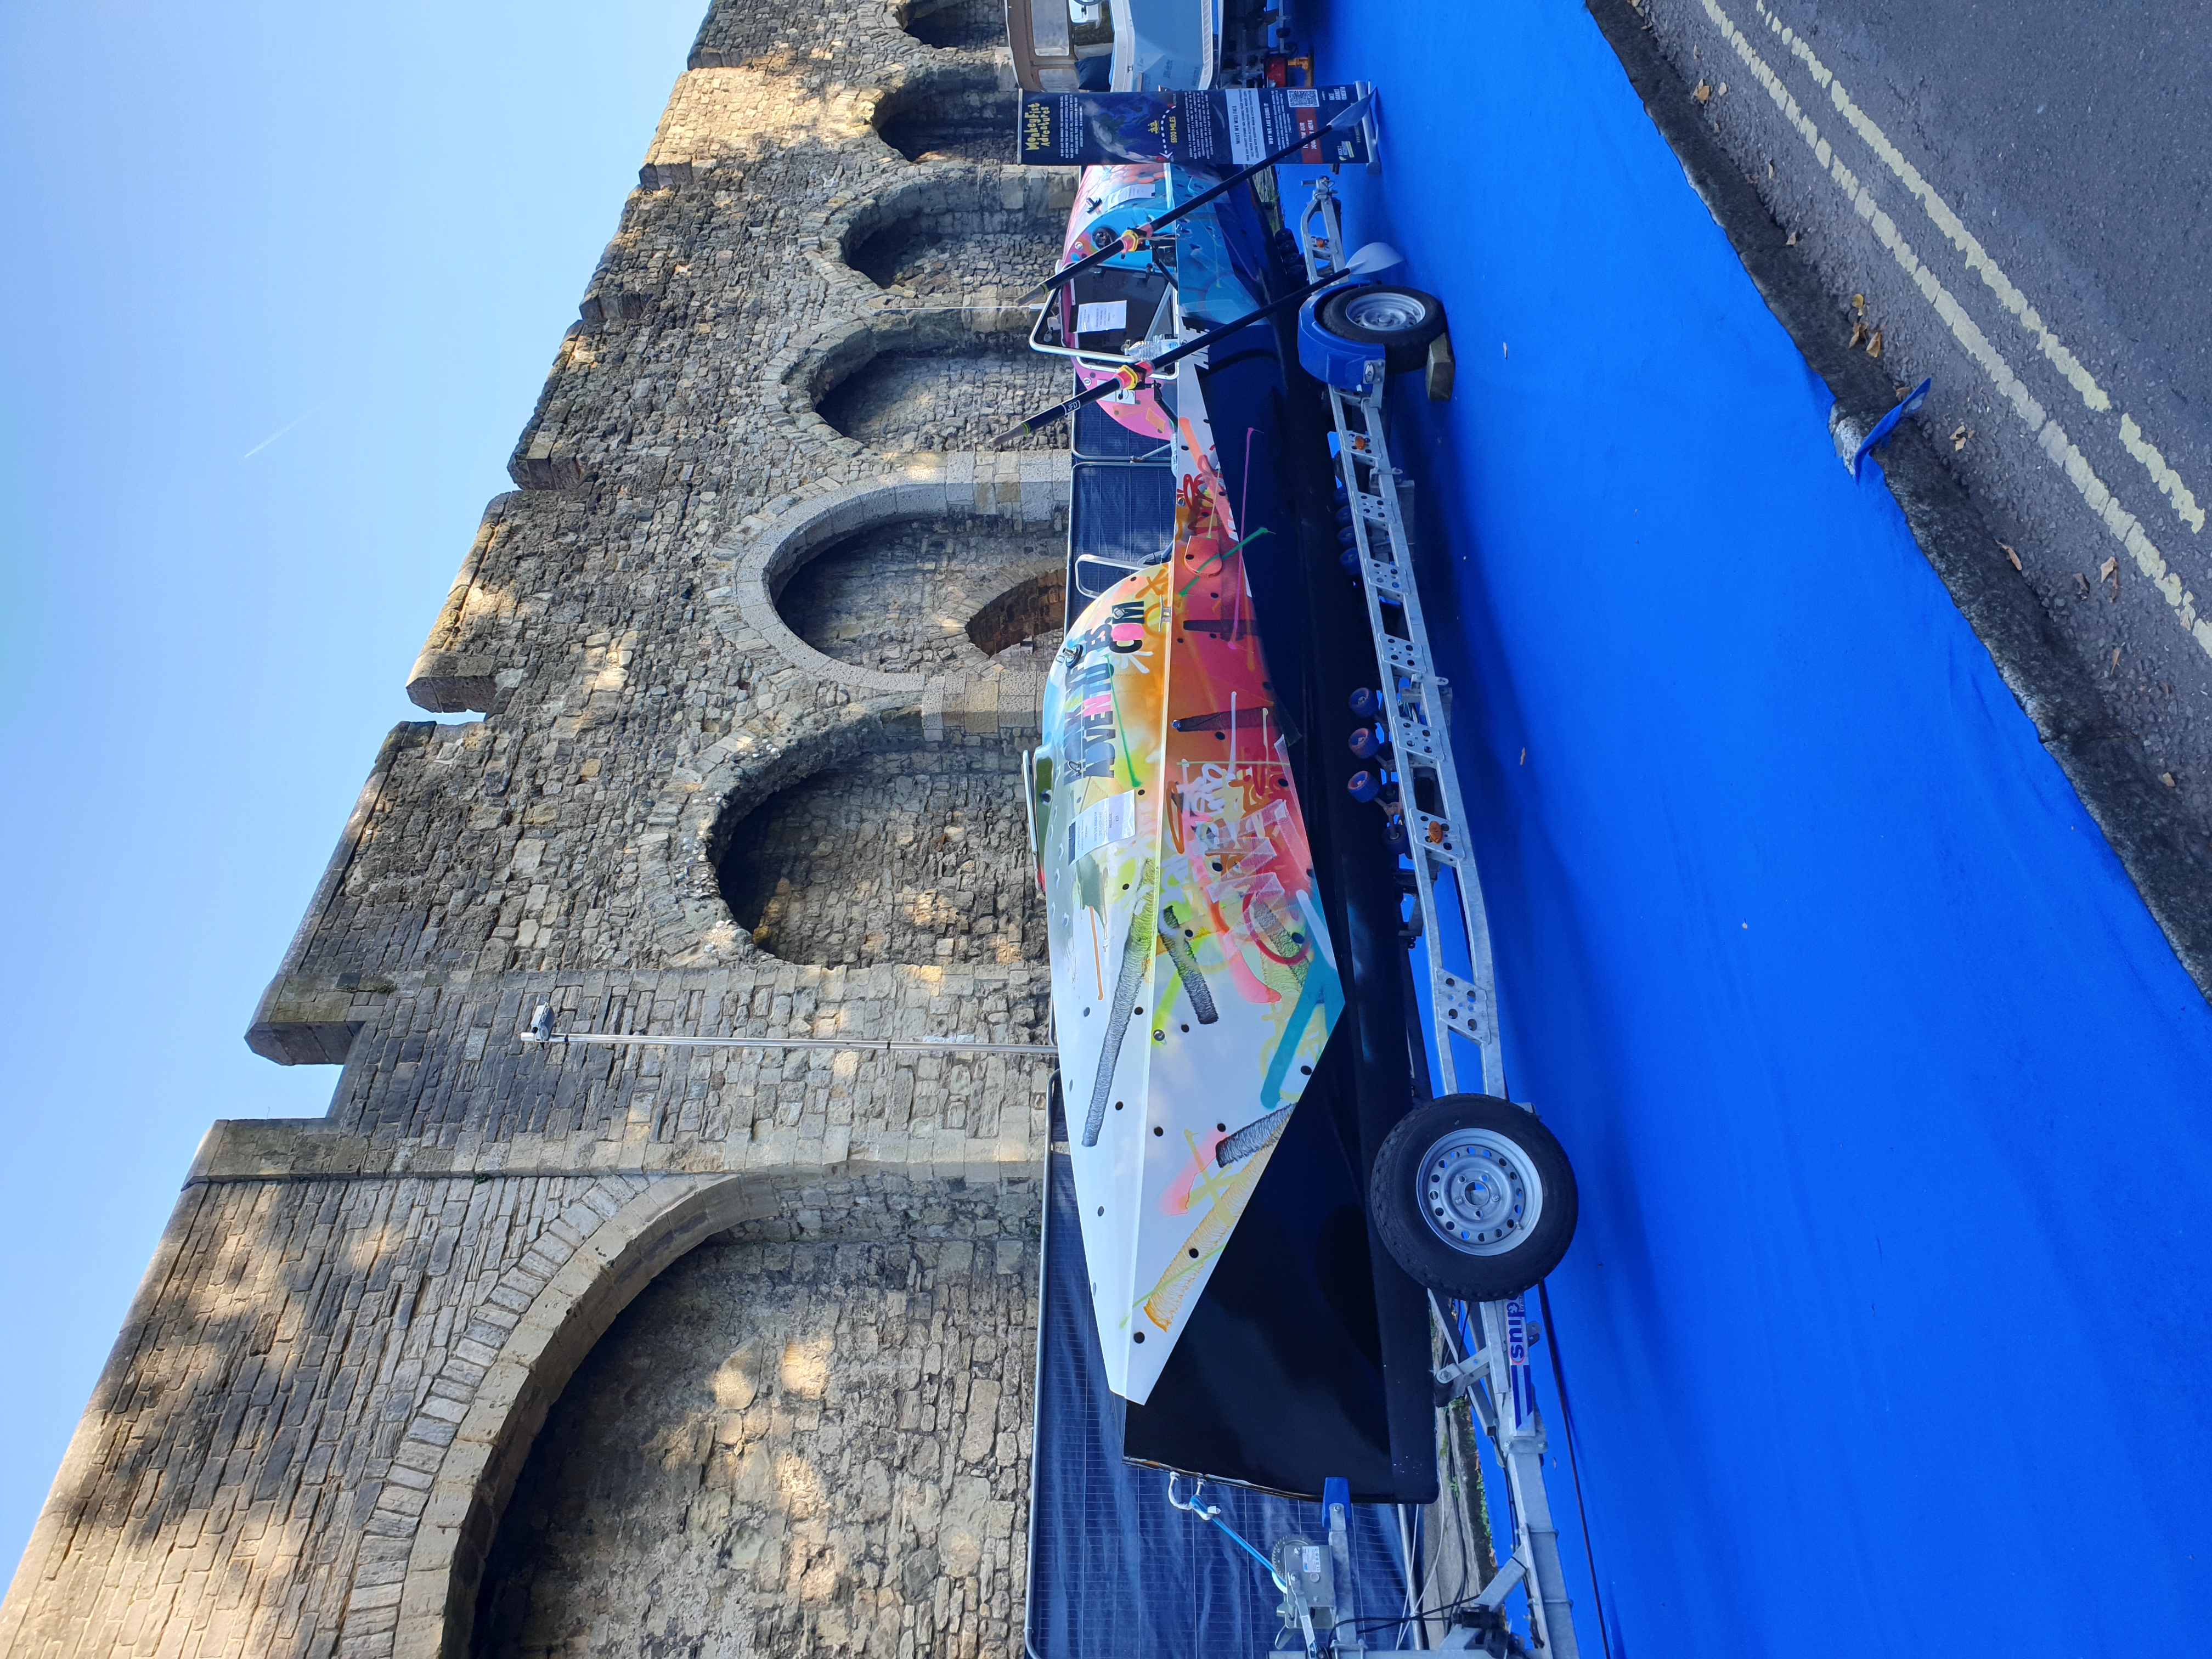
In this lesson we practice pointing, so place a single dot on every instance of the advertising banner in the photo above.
(1218, 130)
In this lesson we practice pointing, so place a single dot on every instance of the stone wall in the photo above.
(980, 255)
(784, 1450)
(949, 397)
(896, 856)
(900, 596)
(355, 1326)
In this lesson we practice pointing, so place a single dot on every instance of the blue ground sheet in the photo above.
(1885, 1325)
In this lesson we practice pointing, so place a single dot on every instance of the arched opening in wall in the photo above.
(898, 595)
(720, 1471)
(941, 124)
(956, 396)
(917, 855)
(979, 237)
(957, 24)
(1026, 622)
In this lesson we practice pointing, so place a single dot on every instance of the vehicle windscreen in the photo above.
(1163, 45)
(1059, 46)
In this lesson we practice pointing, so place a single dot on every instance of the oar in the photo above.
(1349, 116)
(1376, 256)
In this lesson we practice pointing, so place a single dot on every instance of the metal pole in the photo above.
(863, 1045)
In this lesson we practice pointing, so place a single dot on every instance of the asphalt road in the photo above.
(2022, 194)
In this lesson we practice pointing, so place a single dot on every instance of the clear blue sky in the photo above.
(281, 285)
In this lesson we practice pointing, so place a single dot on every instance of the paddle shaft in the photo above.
(1349, 115)
(1123, 381)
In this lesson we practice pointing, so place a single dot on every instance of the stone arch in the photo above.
(486, 1406)
(899, 595)
(1033, 612)
(708, 793)
(955, 111)
(941, 379)
(1030, 492)
(957, 25)
(902, 853)
(953, 235)
(731, 1432)
(457, 1460)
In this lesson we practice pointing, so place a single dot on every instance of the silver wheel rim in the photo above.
(1478, 1191)
(1385, 314)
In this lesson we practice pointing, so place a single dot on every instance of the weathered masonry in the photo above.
(535, 1350)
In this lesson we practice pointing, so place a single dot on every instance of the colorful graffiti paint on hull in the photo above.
(1194, 984)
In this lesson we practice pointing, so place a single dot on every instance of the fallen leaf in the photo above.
(1702, 92)
(2009, 554)
(2084, 583)
(1770, 169)
(1897, 393)
(2116, 661)
(1792, 242)
(2166, 778)
(1858, 303)
(1858, 333)
(2104, 570)
(1722, 90)
(1959, 438)
(1874, 344)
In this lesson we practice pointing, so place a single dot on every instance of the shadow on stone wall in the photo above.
(1025, 622)
(916, 856)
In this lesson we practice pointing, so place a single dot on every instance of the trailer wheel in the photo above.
(1472, 1197)
(1401, 320)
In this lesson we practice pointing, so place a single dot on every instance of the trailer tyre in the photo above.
(1401, 320)
(1472, 1197)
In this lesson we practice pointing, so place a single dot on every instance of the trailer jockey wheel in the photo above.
(1472, 1197)
(1401, 320)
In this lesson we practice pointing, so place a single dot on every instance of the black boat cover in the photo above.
(1114, 1572)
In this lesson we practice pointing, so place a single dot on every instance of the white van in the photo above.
(1138, 45)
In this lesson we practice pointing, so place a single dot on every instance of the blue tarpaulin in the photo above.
(1888, 1317)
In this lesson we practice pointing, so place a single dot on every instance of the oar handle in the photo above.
(1127, 378)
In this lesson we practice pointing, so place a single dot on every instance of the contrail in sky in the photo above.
(277, 433)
